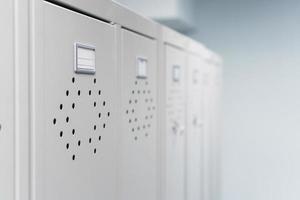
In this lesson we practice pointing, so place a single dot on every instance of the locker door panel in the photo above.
(75, 123)
(7, 136)
(175, 124)
(138, 166)
(194, 128)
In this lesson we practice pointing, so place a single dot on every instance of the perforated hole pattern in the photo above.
(141, 109)
(72, 137)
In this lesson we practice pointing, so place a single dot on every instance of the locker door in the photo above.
(175, 124)
(138, 166)
(7, 103)
(74, 113)
(194, 128)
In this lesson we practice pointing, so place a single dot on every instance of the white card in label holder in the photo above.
(85, 59)
(176, 73)
(142, 64)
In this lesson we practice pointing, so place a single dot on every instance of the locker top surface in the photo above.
(171, 37)
(113, 12)
(198, 48)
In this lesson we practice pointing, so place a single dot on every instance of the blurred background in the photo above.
(259, 41)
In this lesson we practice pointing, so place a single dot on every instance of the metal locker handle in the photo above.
(181, 130)
(175, 128)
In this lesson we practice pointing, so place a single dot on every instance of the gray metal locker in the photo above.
(195, 127)
(207, 109)
(175, 123)
(74, 114)
(138, 165)
(93, 106)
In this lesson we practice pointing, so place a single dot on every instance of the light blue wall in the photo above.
(260, 43)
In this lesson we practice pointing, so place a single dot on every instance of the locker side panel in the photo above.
(215, 124)
(175, 124)
(6, 102)
(75, 116)
(138, 160)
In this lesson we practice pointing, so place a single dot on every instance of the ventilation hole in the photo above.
(90, 140)
(95, 104)
(138, 92)
(129, 120)
(73, 131)
(99, 138)
(78, 92)
(61, 133)
(73, 80)
(95, 127)
(90, 92)
(132, 110)
(99, 92)
(67, 93)
(79, 143)
(108, 114)
(135, 138)
(67, 145)
(138, 128)
(60, 106)
(95, 81)
(73, 157)
(136, 82)
(54, 121)
(73, 105)
(95, 151)
(132, 92)
(99, 115)
(127, 111)
(67, 119)
(135, 119)
(103, 103)
(135, 101)
(130, 101)
(104, 125)
(146, 134)
(144, 126)
(132, 129)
